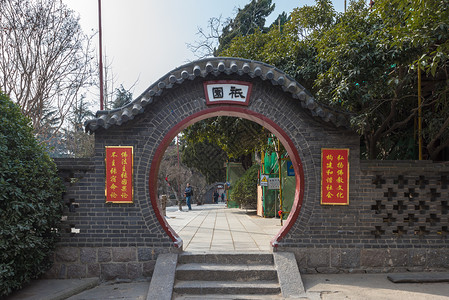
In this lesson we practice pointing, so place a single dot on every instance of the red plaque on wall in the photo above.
(119, 174)
(335, 176)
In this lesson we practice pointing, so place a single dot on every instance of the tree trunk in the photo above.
(178, 199)
(372, 150)
(247, 161)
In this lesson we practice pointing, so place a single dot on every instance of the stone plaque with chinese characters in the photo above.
(335, 176)
(119, 174)
(227, 92)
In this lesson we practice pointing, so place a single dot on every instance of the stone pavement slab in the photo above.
(369, 287)
(425, 277)
(136, 290)
(53, 289)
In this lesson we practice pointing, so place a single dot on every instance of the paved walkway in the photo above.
(213, 227)
(369, 287)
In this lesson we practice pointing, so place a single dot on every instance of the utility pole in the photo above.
(101, 55)
(280, 182)
(419, 114)
(179, 177)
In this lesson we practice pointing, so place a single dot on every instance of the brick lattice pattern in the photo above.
(414, 201)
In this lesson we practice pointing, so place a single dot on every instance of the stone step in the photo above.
(228, 258)
(213, 272)
(228, 297)
(227, 287)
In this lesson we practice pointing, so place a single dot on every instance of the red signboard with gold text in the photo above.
(335, 176)
(119, 174)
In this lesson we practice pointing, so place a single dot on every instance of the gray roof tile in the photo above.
(215, 66)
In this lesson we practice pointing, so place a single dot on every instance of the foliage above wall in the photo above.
(365, 63)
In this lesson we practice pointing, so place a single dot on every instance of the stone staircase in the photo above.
(226, 276)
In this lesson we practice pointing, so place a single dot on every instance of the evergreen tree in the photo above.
(364, 63)
(30, 201)
(247, 21)
(122, 97)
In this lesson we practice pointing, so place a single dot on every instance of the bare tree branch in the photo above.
(45, 59)
(208, 39)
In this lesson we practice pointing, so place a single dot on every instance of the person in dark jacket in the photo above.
(188, 192)
(216, 196)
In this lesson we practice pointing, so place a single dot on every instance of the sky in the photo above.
(145, 39)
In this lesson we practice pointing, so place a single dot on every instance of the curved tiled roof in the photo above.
(215, 66)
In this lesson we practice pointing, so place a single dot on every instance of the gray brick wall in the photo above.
(397, 220)
(382, 227)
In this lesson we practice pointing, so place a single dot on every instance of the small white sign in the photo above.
(229, 92)
(264, 180)
(273, 183)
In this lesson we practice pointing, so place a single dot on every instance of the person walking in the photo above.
(188, 192)
(223, 197)
(216, 197)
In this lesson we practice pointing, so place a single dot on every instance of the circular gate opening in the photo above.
(238, 112)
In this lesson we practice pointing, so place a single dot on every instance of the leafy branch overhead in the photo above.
(220, 32)
(236, 138)
(364, 63)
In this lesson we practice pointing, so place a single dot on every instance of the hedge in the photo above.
(244, 191)
(30, 206)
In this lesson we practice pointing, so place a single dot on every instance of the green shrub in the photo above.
(30, 206)
(244, 191)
